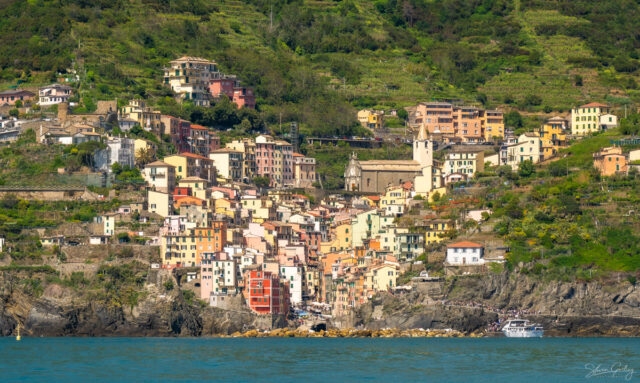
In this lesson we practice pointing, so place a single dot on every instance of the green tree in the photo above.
(513, 120)
(14, 113)
(261, 181)
(526, 169)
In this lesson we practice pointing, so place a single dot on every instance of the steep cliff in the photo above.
(62, 313)
(472, 304)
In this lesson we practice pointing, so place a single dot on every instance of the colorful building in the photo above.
(160, 176)
(585, 119)
(266, 295)
(371, 119)
(189, 78)
(610, 161)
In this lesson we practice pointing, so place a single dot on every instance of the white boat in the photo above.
(522, 328)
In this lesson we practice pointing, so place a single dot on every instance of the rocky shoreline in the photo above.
(351, 333)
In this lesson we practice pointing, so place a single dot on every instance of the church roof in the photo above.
(391, 165)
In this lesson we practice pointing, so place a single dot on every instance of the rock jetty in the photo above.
(351, 333)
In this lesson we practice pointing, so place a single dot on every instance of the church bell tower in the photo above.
(423, 148)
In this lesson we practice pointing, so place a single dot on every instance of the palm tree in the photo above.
(144, 156)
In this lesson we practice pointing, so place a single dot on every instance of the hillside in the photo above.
(316, 61)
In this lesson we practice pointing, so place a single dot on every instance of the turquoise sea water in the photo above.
(318, 360)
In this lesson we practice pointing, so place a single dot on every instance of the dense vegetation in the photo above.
(564, 221)
(313, 61)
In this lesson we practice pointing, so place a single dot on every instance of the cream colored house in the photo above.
(586, 119)
(160, 176)
(159, 203)
(529, 147)
(465, 161)
(381, 277)
(228, 163)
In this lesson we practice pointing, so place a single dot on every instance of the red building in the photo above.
(181, 192)
(266, 295)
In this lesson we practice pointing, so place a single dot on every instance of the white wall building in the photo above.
(54, 94)
(293, 276)
(465, 253)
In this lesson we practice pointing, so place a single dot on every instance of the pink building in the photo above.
(217, 275)
(244, 97)
(222, 86)
(265, 156)
(232, 194)
(10, 97)
(284, 152)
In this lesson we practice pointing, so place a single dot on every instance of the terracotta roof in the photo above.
(157, 164)
(189, 200)
(191, 155)
(198, 127)
(594, 105)
(297, 155)
(465, 244)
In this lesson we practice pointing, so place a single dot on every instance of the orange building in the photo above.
(210, 239)
(610, 161)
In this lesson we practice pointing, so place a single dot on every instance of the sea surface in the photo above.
(319, 360)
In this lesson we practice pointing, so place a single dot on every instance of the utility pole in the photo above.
(271, 19)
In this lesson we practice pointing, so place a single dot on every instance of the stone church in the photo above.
(375, 175)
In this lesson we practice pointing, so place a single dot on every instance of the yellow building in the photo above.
(180, 163)
(585, 119)
(435, 230)
(199, 187)
(139, 143)
(492, 124)
(341, 239)
(553, 134)
(225, 207)
(371, 119)
(372, 200)
(179, 249)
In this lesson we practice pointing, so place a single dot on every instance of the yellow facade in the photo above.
(396, 195)
(342, 239)
(492, 124)
(435, 231)
(224, 206)
(371, 119)
(554, 136)
(180, 164)
(179, 249)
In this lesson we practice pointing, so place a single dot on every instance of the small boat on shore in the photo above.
(522, 328)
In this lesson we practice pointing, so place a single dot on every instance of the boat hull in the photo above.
(523, 334)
